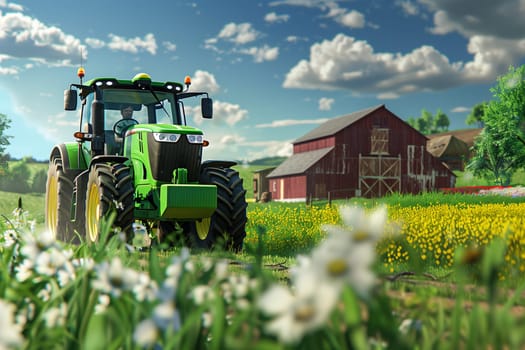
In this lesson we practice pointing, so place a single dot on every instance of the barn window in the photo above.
(379, 141)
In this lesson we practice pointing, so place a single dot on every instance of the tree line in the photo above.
(17, 176)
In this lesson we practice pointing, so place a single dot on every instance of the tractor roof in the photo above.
(139, 81)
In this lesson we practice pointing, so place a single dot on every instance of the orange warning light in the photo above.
(81, 72)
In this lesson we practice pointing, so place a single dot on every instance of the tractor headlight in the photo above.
(194, 138)
(165, 137)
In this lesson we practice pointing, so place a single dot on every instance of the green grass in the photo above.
(464, 178)
(34, 204)
(433, 198)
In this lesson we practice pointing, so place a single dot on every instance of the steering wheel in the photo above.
(122, 125)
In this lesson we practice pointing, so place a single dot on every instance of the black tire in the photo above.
(109, 189)
(227, 226)
(59, 190)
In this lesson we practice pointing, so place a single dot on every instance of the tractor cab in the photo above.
(117, 105)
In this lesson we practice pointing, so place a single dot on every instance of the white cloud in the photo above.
(295, 39)
(241, 33)
(273, 17)
(224, 114)
(95, 43)
(11, 6)
(347, 63)
(322, 4)
(231, 146)
(325, 103)
(9, 70)
(25, 38)
(230, 113)
(500, 19)
(352, 19)
(388, 96)
(409, 8)
(261, 54)
(292, 122)
(348, 18)
(204, 81)
(461, 109)
(169, 46)
(133, 45)
(263, 149)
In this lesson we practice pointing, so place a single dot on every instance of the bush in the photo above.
(16, 178)
(39, 182)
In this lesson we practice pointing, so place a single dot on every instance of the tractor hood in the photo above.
(164, 128)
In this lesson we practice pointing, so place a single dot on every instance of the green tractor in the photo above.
(135, 159)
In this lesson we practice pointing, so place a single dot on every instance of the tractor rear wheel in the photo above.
(109, 189)
(226, 227)
(59, 188)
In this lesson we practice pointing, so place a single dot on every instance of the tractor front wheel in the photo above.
(59, 188)
(226, 227)
(109, 190)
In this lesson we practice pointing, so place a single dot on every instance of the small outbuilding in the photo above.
(448, 147)
(261, 189)
(450, 150)
(369, 153)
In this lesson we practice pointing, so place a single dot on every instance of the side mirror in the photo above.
(207, 107)
(70, 100)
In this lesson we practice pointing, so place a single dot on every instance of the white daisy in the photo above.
(298, 311)
(10, 332)
(146, 333)
(166, 316)
(56, 316)
(114, 279)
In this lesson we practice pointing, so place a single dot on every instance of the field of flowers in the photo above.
(428, 236)
(108, 295)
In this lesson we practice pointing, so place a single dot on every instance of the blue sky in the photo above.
(275, 69)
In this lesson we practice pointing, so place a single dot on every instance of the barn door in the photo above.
(379, 176)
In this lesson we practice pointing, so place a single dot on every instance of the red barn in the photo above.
(369, 153)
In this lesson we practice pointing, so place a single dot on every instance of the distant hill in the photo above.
(268, 161)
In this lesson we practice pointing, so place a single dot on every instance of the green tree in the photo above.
(441, 121)
(17, 178)
(428, 122)
(477, 114)
(422, 125)
(5, 123)
(498, 150)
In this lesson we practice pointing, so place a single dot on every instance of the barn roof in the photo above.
(447, 146)
(300, 162)
(335, 125)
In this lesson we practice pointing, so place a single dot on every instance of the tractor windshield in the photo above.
(140, 105)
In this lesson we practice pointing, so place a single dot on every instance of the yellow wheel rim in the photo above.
(93, 213)
(203, 227)
(52, 205)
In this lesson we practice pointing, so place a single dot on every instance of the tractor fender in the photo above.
(218, 164)
(107, 159)
(69, 154)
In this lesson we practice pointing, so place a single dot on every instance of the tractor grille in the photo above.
(167, 156)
